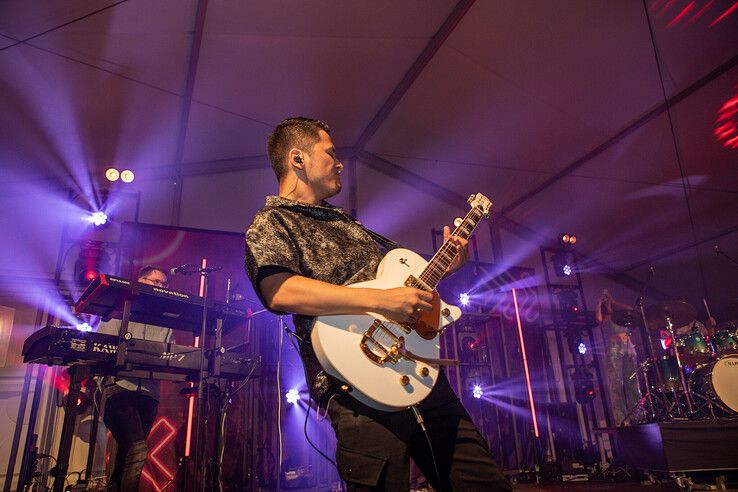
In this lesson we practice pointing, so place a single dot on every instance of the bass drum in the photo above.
(718, 382)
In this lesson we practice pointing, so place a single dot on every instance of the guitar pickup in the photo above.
(417, 283)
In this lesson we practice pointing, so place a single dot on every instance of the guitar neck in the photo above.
(440, 262)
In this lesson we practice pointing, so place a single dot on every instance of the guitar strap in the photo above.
(386, 243)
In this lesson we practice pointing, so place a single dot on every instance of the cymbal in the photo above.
(681, 313)
(627, 317)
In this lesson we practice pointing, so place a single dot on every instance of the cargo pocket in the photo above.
(358, 467)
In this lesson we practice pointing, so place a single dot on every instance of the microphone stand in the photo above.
(201, 429)
(649, 346)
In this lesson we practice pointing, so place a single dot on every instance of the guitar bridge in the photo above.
(371, 343)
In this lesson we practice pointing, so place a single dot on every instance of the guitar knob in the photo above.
(424, 372)
(446, 312)
(404, 380)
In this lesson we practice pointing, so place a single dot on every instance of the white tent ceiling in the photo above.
(555, 109)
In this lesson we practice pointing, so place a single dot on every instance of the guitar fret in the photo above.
(436, 268)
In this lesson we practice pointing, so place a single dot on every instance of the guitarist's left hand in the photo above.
(462, 248)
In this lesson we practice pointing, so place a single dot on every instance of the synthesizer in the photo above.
(55, 345)
(154, 305)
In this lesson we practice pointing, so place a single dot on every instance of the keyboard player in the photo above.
(130, 405)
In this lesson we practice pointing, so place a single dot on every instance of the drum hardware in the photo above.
(650, 352)
(666, 315)
(683, 380)
(724, 342)
(645, 403)
(693, 347)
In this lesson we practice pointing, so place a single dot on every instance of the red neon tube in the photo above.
(525, 365)
(191, 403)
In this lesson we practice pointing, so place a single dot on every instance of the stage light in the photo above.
(582, 348)
(127, 176)
(567, 238)
(112, 174)
(84, 327)
(477, 391)
(92, 260)
(563, 263)
(464, 298)
(98, 218)
(293, 396)
(583, 385)
(568, 304)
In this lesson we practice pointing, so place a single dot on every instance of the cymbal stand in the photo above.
(651, 352)
(682, 378)
(646, 397)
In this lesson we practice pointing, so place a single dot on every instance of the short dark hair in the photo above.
(150, 268)
(297, 132)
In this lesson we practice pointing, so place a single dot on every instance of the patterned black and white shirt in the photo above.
(320, 242)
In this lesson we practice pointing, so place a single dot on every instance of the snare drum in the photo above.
(724, 342)
(693, 348)
(669, 371)
(717, 381)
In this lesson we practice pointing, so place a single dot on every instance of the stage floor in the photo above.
(602, 487)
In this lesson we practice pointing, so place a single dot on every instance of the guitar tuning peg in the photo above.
(470, 199)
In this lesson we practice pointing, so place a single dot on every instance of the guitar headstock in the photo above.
(481, 201)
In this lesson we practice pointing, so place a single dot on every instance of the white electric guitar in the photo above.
(390, 365)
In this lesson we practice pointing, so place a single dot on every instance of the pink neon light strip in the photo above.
(681, 15)
(525, 365)
(724, 14)
(191, 404)
(153, 454)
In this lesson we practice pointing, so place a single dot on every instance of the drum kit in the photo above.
(698, 378)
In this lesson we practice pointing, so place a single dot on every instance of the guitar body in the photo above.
(344, 350)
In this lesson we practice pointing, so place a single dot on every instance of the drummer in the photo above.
(620, 361)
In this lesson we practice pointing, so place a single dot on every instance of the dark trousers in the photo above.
(374, 447)
(129, 416)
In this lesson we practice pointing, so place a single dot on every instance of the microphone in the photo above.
(180, 270)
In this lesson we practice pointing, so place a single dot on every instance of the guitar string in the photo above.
(434, 271)
(431, 276)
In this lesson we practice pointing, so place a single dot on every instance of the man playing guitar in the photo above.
(301, 253)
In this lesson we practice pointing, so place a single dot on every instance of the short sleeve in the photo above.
(269, 249)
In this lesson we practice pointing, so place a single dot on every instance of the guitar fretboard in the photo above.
(440, 262)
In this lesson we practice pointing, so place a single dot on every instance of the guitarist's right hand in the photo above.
(404, 304)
